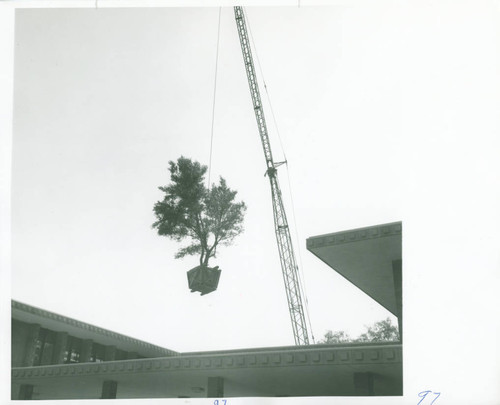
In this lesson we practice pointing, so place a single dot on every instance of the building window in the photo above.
(44, 347)
(73, 350)
(98, 353)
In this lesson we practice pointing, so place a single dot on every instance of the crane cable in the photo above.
(213, 106)
(302, 285)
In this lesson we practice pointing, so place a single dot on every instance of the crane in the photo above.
(287, 256)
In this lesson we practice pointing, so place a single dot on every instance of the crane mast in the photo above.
(287, 256)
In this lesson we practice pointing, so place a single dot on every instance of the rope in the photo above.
(213, 106)
(300, 273)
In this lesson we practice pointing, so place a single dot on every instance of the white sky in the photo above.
(386, 113)
(105, 98)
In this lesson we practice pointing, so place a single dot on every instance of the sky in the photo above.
(105, 98)
(386, 113)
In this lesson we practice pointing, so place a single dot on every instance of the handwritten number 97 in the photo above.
(424, 394)
(221, 402)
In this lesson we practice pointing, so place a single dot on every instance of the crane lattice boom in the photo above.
(285, 248)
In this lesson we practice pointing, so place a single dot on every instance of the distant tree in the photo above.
(381, 331)
(336, 337)
(206, 217)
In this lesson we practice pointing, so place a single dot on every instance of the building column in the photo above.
(109, 389)
(86, 352)
(109, 353)
(215, 387)
(397, 266)
(29, 354)
(60, 347)
(26, 391)
(363, 384)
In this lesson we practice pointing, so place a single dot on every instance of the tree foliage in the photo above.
(381, 331)
(206, 217)
(336, 337)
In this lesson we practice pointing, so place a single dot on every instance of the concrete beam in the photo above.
(363, 384)
(34, 330)
(26, 391)
(397, 266)
(215, 387)
(109, 389)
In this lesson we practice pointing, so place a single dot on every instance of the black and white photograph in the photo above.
(236, 202)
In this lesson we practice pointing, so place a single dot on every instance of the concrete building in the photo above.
(55, 357)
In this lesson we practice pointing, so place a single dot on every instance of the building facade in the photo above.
(56, 357)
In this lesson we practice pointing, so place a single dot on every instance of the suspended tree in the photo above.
(208, 218)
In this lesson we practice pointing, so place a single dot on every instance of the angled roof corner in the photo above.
(367, 257)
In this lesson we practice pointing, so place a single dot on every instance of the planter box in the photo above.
(203, 279)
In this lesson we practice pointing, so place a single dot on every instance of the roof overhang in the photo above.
(50, 320)
(367, 257)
